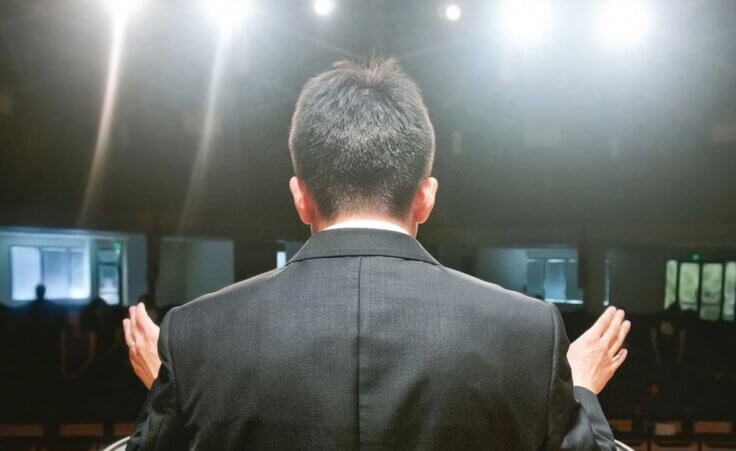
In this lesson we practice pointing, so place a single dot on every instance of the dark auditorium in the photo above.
(367, 225)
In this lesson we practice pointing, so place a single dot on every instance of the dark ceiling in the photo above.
(566, 133)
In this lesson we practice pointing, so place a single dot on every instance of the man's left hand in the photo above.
(141, 336)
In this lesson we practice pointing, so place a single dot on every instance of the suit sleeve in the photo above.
(576, 420)
(159, 424)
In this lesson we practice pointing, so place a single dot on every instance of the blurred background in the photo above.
(586, 153)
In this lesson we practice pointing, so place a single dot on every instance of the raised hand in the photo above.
(141, 336)
(596, 355)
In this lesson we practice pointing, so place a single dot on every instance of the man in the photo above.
(363, 340)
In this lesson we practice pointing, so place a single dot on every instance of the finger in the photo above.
(622, 333)
(128, 335)
(601, 325)
(140, 318)
(134, 330)
(145, 321)
(131, 315)
(618, 360)
(613, 328)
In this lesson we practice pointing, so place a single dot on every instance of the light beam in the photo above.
(624, 24)
(106, 117)
(227, 14)
(195, 189)
(526, 22)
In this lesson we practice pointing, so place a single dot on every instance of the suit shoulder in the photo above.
(495, 296)
(225, 297)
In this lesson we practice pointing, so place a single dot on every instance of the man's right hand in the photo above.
(596, 355)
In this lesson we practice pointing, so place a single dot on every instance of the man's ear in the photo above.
(424, 200)
(302, 200)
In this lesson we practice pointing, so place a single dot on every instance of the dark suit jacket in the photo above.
(364, 341)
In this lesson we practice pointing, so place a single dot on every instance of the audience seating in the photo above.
(639, 419)
(667, 428)
(87, 430)
(21, 431)
(712, 427)
(621, 425)
(122, 429)
(674, 445)
(118, 446)
(707, 445)
(21, 436)
(638, 445)
(82, 436)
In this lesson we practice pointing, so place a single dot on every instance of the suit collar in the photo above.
(363, 242)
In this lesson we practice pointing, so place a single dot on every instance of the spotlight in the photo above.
(624, 23)
(526, 21)
(121, 9)
(227, 14)
(453, 12)
(324, 7)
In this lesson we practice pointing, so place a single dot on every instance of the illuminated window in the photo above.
(670, 289)
(689, 280)
(711, 291)
(109, 283)
(708, 288)
(535, 277)
(555, 282)
(63, 271)
(729, 291)
(108, 271)
(280, 259)
(554, 279)
(25, 264)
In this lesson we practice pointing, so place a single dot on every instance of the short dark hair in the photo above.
(361, 138)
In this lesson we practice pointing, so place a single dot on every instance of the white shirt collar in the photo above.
(367, 224)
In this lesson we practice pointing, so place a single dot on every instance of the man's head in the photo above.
(362, 145)
(40, 291)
